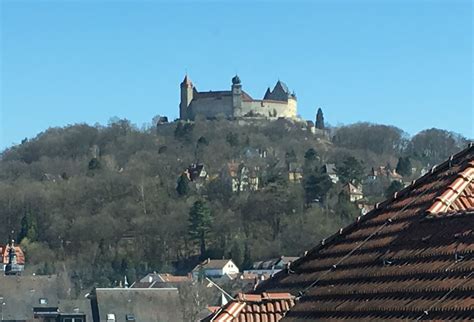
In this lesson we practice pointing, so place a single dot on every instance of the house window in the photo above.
(43, 301)
(130, 317)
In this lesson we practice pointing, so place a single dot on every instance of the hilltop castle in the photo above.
(235, 103)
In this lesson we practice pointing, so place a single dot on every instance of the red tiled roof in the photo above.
(174, 278)
(20, 256)
(459, 195)
(409, 258)
(246, 96)
(270, 307)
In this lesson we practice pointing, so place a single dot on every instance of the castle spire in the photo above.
(267, 94)
(186, 80)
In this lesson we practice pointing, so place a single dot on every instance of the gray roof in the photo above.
(23, 293)
(283, 86)
(151, 304)
(330, 168)
(279, 262)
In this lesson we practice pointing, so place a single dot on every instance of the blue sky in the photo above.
(405, 63)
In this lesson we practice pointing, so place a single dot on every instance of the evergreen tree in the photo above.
(310, 155)
(202, 141)
(29, 228)
(404, 166)
(344, 207)
(290, 157)
(182, 187)
(232, 139)
(310, 162)
(94, 164)
(200, 221)
(351, 170)
(320, 119)
(316, 187)
(184, 131)
(394, 187)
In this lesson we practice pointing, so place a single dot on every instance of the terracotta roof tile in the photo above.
(254, 308)
(411, 257)
(459, 193)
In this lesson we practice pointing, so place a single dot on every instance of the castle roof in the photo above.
(236, 80)
(212, 94)
(409, 258)
(267, 93)
(283, 86)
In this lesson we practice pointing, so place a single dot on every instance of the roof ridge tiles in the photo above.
(453, 190)
(403, 222)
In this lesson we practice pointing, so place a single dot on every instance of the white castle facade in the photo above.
(236, 103)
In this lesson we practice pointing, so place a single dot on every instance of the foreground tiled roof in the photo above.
(270, 307)
(410, 258)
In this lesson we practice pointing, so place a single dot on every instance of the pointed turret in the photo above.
(187, 91)
(267, 95)
(186, 81)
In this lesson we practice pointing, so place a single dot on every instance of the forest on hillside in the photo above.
(102, 202)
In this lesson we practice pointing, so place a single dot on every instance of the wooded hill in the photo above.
(102, 202)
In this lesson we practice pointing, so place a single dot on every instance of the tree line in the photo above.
(109, 201)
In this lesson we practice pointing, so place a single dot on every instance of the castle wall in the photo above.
(211, 107)
(267, 108)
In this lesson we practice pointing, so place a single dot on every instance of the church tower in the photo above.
(187, 89)
(236, 96)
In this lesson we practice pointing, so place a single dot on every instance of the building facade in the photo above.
(215, 268)
(236, 103)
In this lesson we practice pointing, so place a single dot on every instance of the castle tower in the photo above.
(187, 89)
(236, 96)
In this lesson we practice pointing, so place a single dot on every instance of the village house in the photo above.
(197, 174)
(12, 255)
(295, 172)
(215, 268)
(162, 280)
(354, 193)
(410, 258)
(383, 172)
(239, 177)
(330, 170)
